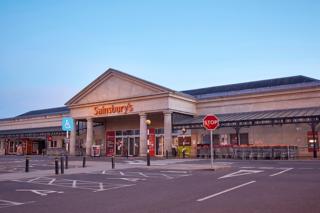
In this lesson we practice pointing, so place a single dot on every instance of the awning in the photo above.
(32, 132)
(246, 119)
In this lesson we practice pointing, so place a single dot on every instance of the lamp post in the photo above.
(148, 123)
(183, 142)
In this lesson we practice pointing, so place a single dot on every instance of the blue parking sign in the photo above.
(67, 124)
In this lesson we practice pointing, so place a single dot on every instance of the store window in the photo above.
(53, 144)
(206, 139)
(244, 139)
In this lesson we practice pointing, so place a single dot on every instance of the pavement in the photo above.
(76, 166)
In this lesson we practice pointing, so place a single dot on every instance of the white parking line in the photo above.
(52, 181)
(101, 186)
(7, 203)
(266, 168)
(29, 181)
(143, 175)
(177, 172)
(241, 173)
(167, 176)
(74, 184)
(279, 173)
(225, 191)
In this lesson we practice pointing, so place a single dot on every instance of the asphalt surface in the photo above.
(238, 186)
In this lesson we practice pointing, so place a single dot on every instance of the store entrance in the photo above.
(127, 146)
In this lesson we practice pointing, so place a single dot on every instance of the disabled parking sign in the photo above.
(67, 124)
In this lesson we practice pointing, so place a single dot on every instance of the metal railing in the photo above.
(250, 152)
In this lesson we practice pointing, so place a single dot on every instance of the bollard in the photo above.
(167, 154)
(112, 162)
(27, 164)
(84, 161)
(148, 159)
(67, 159)
(56, 162)
(62, 165)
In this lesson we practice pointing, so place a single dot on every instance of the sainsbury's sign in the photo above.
(113, 109)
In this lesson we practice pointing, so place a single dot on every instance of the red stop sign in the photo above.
(211, 122)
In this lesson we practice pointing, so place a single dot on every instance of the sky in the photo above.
(50, 50)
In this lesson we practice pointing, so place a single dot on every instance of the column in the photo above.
(89, 135)
(73, 139)
(143, 135)
(167, 131)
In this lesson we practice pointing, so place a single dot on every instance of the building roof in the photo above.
(32, 131)
(41, 112)
(44, 112)
(269, 117)
(254, 87)
(115, 72)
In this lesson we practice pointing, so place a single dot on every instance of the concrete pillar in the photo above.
(167, 131)
(143, 135)
(73, 139)
(89, 136)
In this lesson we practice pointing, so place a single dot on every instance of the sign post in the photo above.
(211, 122)
(67, 125)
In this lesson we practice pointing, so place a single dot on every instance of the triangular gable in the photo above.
(113, 85)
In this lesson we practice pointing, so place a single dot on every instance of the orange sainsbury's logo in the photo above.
(113, 109)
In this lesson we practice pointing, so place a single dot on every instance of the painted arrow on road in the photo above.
(241, 173)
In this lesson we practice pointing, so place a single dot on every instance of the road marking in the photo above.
(39, 192)
(241, 173)
(29, 181)
(101, 186)
(247, 167)
(52, 181)
(266, 168)
(8, 203)
(77, 184)
(279, 173)
(115, 187)
(121, 173)
(140, 173)
(104, 172)
(128, 179)
(167, 176)
(178, 172)
(225, 191)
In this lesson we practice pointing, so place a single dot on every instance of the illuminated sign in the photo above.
(113, 109)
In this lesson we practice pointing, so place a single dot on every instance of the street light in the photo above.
(183, 142)
(148, 123)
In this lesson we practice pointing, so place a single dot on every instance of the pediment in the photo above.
(114, 85)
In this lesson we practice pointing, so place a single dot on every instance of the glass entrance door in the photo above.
(159, 146)
(129, 146)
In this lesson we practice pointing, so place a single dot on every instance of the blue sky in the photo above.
(50, 50)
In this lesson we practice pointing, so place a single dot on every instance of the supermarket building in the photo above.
(111, 114)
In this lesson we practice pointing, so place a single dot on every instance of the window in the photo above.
(53, 144)
(159, 131)
(206, 139)
(244, 139)
(118, 133)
